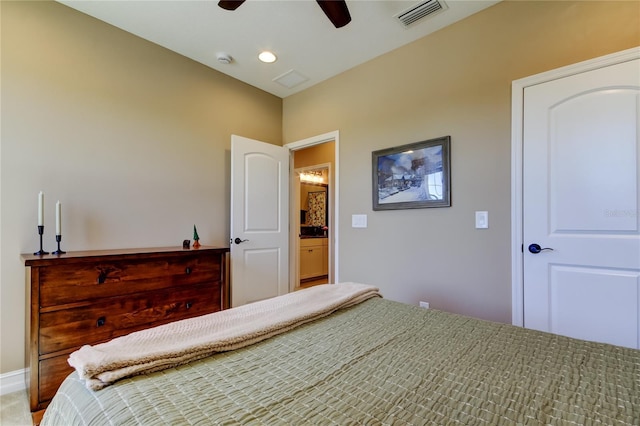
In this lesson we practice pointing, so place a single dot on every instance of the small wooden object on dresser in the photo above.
(89, 297)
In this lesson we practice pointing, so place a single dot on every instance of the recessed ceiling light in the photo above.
(267, 57)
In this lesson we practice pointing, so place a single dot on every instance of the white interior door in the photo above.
(259, 220)
(581, 180)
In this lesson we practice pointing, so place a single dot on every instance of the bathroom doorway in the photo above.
(313, 246)
(313, 198)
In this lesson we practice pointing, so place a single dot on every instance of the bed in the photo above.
(377, 362)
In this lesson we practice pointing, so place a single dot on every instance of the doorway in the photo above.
(316, 233)
(314, 196)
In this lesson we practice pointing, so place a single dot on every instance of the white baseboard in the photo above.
(13, 381)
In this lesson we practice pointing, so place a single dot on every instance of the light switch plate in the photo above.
(482, 220)
(358, 220)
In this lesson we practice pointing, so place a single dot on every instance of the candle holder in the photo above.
(40, 232)
(58, 239)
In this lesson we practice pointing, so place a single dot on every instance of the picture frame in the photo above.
(412, 176)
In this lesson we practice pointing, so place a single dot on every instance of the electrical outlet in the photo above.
(424, 305)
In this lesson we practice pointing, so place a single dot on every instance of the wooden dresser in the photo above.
(89, 297)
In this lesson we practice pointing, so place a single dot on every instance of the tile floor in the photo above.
(14, 409)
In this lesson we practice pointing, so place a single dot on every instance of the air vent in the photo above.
(290, 79)
(420, 11)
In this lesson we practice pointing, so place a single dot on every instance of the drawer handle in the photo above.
(102, 277)
(101, 321)
(187, 270)
(188, 305)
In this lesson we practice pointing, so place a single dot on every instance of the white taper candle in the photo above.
(41, 209)
(58, 218)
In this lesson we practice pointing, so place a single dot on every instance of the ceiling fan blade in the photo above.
(336, 11)
(230, 4)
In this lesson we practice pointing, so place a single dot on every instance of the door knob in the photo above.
(239, 241)
(535, 248)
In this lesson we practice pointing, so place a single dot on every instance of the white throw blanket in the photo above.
(187, 340)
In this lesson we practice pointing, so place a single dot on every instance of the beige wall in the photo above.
(131, 138)
(314, 155)
(454, 82)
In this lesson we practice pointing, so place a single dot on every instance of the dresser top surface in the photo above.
(87, 255)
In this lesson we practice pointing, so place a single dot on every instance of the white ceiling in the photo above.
(297, 31)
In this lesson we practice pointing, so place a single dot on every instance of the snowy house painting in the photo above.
(416, 175)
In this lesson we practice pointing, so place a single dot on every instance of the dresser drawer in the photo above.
(52, 372)
(77, 282)
(106, 319)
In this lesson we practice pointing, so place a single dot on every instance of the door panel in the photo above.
(259, 219)
(581, 183)
(584, 308)
(581, 156)
(262, 180)
(262, 267)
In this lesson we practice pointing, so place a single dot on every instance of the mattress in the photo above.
(379, 362)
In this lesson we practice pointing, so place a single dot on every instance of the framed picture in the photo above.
(412, 176)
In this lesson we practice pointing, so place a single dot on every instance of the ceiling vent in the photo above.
(290, 79)
(420, 11)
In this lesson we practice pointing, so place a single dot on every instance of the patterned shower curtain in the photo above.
(317, 208)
